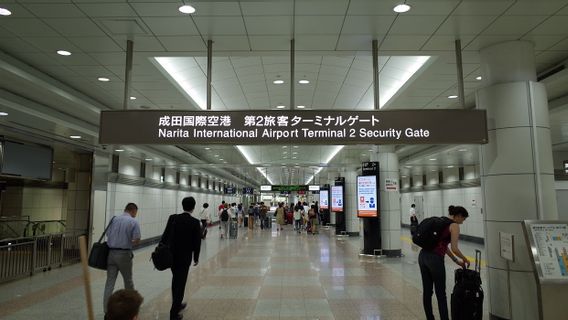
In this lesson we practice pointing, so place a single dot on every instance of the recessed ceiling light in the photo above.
(3, 114)
(452, 97)
(284, 147)
(433, 170)
(450, 166)
(401, 8)
(280, 107)
(294, 153)
(75, 137)
(221, 159)
(304, 81)
(5, 12)
(432, 159)
(278, 81)
(207, 148)
(462, 150)
(300, 107)
(216, 155)
(119, 150)
(132, 98)
(478, 78)
(408, 167)
(187, 9)
(148, 159)
(295, 147)
(103, 79)
(285, 152)
(63, 53)
(404, 176)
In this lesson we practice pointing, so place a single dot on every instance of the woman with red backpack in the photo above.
(431, 262)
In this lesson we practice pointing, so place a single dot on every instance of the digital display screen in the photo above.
(324, 199)
(367, 200)
(337, 198)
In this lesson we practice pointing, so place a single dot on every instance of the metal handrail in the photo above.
(23, 257)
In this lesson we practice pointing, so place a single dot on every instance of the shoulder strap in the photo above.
(104, 232)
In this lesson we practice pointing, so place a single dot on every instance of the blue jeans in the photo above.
(433, 276)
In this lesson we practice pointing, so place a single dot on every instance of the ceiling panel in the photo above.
(514, 25)
(108, 10)
(321, 7)
(445, 43)
(483, 8)
(27, 27)
(171, 26)
(94, 44)
(54, 10)
(220, 25)
(274, 25)
(315, 42)
(75, 27)
(416, 25)
(217, 8)
(535, 7)
(553, 26)
(15, 45)
(318, 25)
(367, 25)
(403, 43)
(259, 8)
(458, 25)
(183, 43)
(356, 42)
(231, 43)
(157, 9)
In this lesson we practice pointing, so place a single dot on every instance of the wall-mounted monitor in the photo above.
(324, 199)
(337, 198)
(367, 200)
(25, 160)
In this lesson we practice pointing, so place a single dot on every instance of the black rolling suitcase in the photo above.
(233, 228)
(467, 297)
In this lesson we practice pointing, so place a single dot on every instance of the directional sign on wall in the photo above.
(294, 126)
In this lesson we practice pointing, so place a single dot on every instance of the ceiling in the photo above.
(55, 96)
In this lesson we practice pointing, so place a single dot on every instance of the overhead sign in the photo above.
(367, 196)
(294, 126)
(230, 190)
(337, 198)
(324, 199)
(370, 168)
(265, 188)
(248, 190)
(314, 188)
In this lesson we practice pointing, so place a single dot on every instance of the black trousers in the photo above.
(433, 276)
(179, 279)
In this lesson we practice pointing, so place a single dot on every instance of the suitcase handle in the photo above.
(477, 260)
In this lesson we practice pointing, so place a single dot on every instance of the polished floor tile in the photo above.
(260, 275)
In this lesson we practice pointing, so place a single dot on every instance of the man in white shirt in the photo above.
(204, 216)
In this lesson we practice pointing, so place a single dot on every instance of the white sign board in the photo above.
(391, 185)
(265, 188)
(507, 244)
(313, 188)
(551, 244)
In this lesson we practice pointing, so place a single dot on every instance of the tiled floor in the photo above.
(260, 275)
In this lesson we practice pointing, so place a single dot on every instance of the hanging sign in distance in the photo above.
(250, 127)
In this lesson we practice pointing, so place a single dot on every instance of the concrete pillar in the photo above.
(350, 202)
(390, 201)
(517, 177)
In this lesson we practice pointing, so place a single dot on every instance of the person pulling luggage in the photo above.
(434, 235)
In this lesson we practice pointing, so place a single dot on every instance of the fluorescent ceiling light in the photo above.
(478, 78)
(187, 9)
(3, 114)
(280, 107)
(220, 159)
(207, 148)
(304, 81)
(284, 147)
(132, 98)
(412, 65)
(245, 154)
(119, 150)
(462, 150)
(75, 137)
(301, 107)
(63, 53)
(295, 147)
(148, 159)
(188, 76)
(103, 79)
(450, 167)
(5, 12)
(452, 97)
(278, 81)
(331, 156)
(401, 8)
(432, 159)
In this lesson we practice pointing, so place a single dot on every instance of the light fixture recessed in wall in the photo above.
(301, 107)
(280, 107)
(207, 148)
(119, 150)
(3, 114)
(187, 9)
(221, 159)
(453, 96)
(401, 8)
(462, 150)
(148, 159)
(75, 137)
(103, 79)
(63, 53)
(5, 12)
(478, 78)
(450, 167)
(132, 98)
(432, 159)
(304, 81)
(278, 81)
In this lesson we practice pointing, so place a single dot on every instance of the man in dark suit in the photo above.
(185, 231)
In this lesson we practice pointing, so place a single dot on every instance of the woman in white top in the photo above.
(204, 217)
(298, 216)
